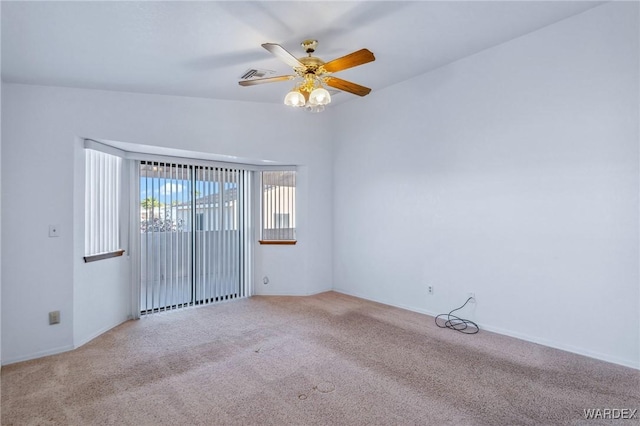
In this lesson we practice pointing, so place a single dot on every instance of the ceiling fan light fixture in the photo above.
(294, 99)
(319, 96)
(312, 74)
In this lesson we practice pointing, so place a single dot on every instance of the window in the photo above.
(278, 207)
(102, 205)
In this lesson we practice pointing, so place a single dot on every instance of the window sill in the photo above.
(101, 256)
(278, 242)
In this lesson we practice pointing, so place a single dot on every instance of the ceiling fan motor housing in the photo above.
(311, 63)
(309, 46)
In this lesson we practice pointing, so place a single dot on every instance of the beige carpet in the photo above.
(326, 359)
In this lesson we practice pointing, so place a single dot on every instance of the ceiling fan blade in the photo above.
(347, 86)
(351, 60)
(281, 53)
(265, 80)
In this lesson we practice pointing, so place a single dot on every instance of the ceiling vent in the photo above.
(256, 73)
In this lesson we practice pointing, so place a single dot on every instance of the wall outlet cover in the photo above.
(54, 231)
(54, 317)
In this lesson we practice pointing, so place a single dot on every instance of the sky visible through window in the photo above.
(177, 191)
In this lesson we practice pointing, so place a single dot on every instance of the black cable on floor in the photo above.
(458, 324)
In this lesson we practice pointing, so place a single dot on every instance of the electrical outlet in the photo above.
(265, 280)
(472, 296)
(54, 317)
(430, 289)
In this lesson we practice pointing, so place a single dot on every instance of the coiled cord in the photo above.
(456, 323)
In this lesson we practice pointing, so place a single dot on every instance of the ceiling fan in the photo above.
(313, 74)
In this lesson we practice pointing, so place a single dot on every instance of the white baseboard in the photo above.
(291, 294)
(61, 349)
(89, 338)
(39, 354)
(563, 347)
(514, 334)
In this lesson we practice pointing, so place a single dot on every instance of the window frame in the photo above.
(292, 207)
(116, 211)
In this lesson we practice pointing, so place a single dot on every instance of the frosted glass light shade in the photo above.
(319, 96)
(294, 99)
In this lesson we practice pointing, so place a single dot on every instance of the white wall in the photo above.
(42, 172)
(512, 174)
(102, 291)
(0, 200)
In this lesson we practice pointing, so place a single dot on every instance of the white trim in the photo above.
(107, 149)
(186, 161)
(296, 294)
(566, 348)
(39, 354)
(515, 335)
(98, 333)
(183, 158)
(62, 349)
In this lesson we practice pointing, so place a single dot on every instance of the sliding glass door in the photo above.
(194, 242)
(217, 235)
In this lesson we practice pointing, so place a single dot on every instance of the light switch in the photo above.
(54, 231)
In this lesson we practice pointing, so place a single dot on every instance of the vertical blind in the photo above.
(194, 226)
(102, 202)
(278, 205)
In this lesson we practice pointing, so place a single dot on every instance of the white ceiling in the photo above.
(202, 48)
